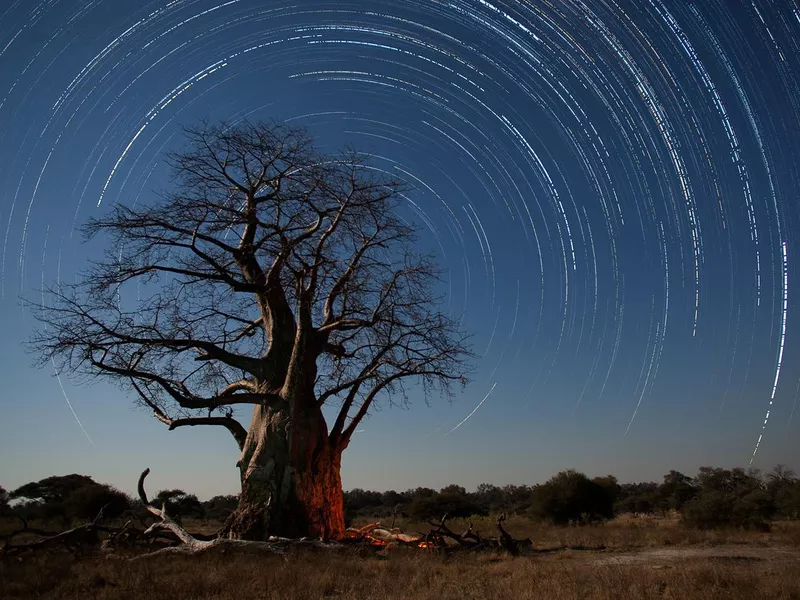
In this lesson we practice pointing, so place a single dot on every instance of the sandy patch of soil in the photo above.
(667, 557)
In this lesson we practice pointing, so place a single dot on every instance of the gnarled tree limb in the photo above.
(237, 431)
(192, 545)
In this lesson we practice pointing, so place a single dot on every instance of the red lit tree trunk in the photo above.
(291, 484)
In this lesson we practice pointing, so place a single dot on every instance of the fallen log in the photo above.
(473, 541)
(508, 543)
(436, 538)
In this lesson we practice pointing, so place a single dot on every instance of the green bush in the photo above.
(787, 500)
(640, 504)
(711, 510)
(753, 510)
(571, 497)
(219, 508)
(675, 491)
(5, 509)
(717, 509)
(449, 503)
(68, 497)
(87, 501)
(179, 504)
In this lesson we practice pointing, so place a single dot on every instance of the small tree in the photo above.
(52, 489)
(571, 497)
(87, 502)
(780, 476)
(46, 499)
(729, 498)
(490, 497)
(5, 508)
(220, 508)
(787, 500)
(179, 504)
(734, 481)
(67, 497)
(517, 498)
(639, 498)
(711, 510)
(675, 491)
(717, 509)
(611, 491)
(358, 503)
(272, 276)
(452, 500)
(391, 499)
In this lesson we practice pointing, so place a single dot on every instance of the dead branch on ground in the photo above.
(190, 544)
(167, 530)
(78, 538)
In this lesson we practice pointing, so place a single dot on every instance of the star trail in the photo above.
(611, 186)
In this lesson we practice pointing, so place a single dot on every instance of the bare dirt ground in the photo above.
(661, 558)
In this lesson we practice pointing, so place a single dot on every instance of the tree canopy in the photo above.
(67, 497)
(263, 244)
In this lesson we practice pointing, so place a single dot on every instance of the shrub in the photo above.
(179, 504)
(219, 508)
(571, 497)
(787, 500)
(68, 497)
(675, 491)
(87, 501)
(362, 503)
(711, 510)
(718, 509)
(5, 509)
(449, 502)
(753, 510)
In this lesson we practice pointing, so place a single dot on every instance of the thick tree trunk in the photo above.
(291, 485)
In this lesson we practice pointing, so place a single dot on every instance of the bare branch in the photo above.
(239, 433)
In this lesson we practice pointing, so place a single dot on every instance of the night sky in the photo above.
(612, 188)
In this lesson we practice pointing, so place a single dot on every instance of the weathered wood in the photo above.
(290, 480)
(83, 535)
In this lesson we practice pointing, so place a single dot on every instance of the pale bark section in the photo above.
(290, 479)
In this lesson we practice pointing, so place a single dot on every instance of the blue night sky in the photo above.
(612, 188)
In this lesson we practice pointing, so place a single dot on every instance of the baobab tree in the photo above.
(275, 276)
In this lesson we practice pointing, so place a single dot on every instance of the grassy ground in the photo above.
(624, 532)
(626, 558)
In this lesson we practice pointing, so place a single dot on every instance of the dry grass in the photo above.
(400, 575)
(621, 533)
(642, 559)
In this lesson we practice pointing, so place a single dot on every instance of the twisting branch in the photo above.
(192, 545)
(80, 537)
(239, 433)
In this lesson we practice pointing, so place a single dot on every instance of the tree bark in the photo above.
(291, 484)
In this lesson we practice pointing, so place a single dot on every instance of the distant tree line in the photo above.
(67, 498)
(713, 498)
